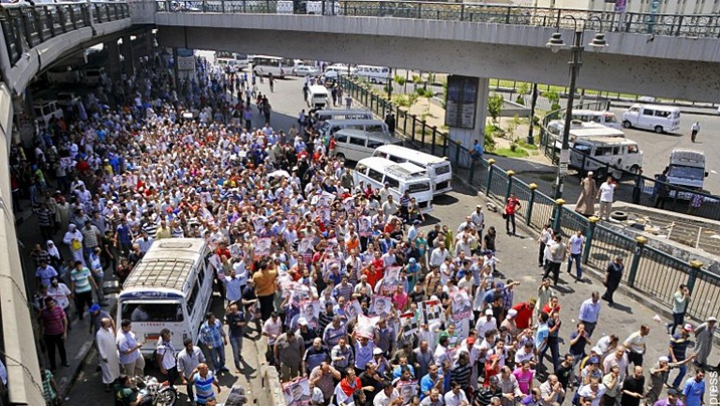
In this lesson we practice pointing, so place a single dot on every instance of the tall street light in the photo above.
(555, 44)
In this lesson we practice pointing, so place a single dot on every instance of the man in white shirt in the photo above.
(606, 193)
(478, 219)
(575, 245)
(456, 396)
(272, 330)
(636, 345)
(388, 396)
(485, 324)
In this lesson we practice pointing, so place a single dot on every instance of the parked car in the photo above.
(306, 70)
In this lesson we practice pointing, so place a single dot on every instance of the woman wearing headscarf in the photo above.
(55, 257)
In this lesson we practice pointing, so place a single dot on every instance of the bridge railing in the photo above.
(649, 271)
(692, 25)
(25, 27)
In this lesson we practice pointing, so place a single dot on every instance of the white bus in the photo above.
(373, 74)
(439, 169)
(661, 119)
(171, 287)
(263, 65)
(621, 153)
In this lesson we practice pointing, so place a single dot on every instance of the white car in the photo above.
(305, 70)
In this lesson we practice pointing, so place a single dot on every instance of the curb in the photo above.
(84, 360)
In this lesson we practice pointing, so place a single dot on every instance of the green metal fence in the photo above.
(647, 269)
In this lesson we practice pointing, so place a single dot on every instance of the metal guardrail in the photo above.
(649, 270)
(693, 25)
(634, 186)
(25, 27)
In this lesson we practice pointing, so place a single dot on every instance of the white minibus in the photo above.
(330, 127)
(354, 145)
(263, 65)
(438, 169)
(333, 71)
(687, 168)
(352, 114)
(661, 119)
(373, 74)
(605, 118)
(317, 97)
(171, 287)
(400, 178)
(620, 153)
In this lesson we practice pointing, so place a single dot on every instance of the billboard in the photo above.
(461, 101)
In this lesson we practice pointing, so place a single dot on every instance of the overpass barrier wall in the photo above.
(693, 25)
(25, 27)
(651, 272)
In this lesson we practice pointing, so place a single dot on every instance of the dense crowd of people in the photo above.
(358, 304)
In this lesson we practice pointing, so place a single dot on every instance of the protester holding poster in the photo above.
(461, 306)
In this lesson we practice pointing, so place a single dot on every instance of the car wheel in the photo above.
(658, 129)
(626, 124)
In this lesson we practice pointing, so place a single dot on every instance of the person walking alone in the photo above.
(577, 243)
(694, 130)
(512, 206)
(606, 194)
(681, 302)
(613, 276)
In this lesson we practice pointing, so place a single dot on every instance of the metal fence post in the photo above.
(472, 168)
(432, 147)
(457, 153)
(589, 234)
(422, 140)
(491, 165)
(528, 217)
(414, 117)
(511, 175)
(641, 241)
(558, 215)
(696, 265)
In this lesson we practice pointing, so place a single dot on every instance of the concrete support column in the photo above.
(466, 137)
(114, 66)
(127, 52)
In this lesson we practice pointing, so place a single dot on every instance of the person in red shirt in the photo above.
(492, 368)
(552, 307)
(512, 206)
(372, 275)
(525, 310)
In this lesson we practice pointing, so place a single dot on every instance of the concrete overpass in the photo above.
(671, 56)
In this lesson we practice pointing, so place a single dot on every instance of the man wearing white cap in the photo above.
(704, 334)
(485, 324)
(509, 322)
(73, 239)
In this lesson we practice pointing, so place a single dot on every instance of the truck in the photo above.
(687, 168)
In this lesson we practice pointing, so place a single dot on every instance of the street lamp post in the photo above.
(555, 44)
(533, 102)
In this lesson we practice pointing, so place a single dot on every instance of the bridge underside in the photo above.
(680, 79)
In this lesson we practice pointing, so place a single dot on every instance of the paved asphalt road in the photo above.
(518, 256)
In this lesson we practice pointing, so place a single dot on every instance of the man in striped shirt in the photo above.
(203, 379)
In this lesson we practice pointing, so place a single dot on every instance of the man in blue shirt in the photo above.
(429, 381)
(678, 351)
(694, 389)
(477, 150)
(213, 336)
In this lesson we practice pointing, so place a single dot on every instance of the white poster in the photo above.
(461, 306)
(381, 306)
(310, 310)
(262, 247)
(408, 323)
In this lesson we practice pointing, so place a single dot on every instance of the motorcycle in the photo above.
(155, 393)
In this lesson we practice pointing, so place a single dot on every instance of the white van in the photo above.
(330, 127)
(317, 97)
(605, 118)
(333, 71)
(352, 114)
(373, 74)
(400, 177)
(354, 145)
(171, 287)
(46, 110)
(621, 153)
(661, 119)
(687, 168)
(439, 169)
(94, 76)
